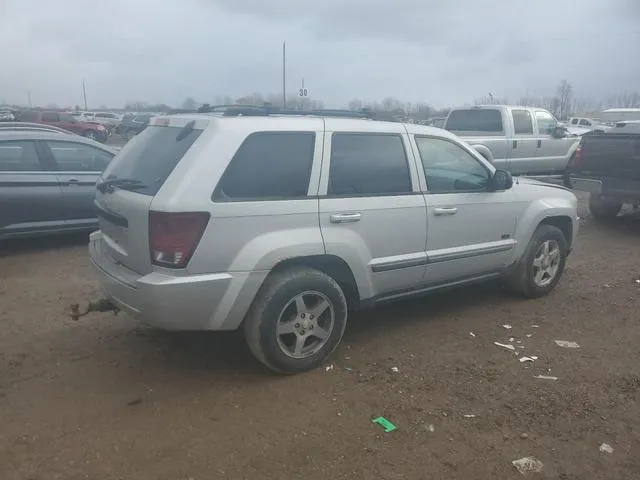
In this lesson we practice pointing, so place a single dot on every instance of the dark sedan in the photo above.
(47, 181)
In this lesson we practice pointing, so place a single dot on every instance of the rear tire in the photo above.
(296, 320)
(603, 208)
(91, 135)
(542, 264)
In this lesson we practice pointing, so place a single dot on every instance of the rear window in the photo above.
(152, 156)
(475, 120)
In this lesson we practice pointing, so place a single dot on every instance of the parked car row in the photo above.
(66, 121)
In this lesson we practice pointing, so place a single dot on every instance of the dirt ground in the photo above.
(106, 399)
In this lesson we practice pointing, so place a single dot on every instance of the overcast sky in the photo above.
(442, 52)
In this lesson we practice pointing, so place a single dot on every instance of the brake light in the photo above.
(173, 237)
(578, 155)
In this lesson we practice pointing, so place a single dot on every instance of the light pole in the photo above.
(284, 75)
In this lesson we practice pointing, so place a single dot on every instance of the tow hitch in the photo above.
(102, 305)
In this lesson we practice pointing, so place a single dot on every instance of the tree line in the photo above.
(563, 104)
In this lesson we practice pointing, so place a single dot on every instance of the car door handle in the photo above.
(440, 211)
(72, 182)
(539, 143)
(345, 218)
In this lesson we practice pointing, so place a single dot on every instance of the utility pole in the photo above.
(84, 94)
(284, 75)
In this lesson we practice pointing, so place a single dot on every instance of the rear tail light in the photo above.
(578, 156)
(173, 237)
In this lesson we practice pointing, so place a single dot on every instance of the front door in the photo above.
(553, 153)
(523, 143)
(30, 197)
(470, 230)
(371, 209)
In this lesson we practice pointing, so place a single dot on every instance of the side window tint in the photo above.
(546, 123)
(584, 123)
(76, 157)
(50, 117)
(19, 156)
(269, 165)
(368, 164)
(574, 121)
(522, 122)
(449, 168)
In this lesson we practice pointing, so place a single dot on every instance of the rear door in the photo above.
(523, 143)
(124, 210)
(30, 196)
(78, 168)
(371, 209)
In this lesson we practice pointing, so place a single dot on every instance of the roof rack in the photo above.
(260, 111)
(28, 126)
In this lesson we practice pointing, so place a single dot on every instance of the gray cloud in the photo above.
(442, 52)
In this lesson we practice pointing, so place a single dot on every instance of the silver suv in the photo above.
(281, 224)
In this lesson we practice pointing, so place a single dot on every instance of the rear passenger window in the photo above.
(368, 164)
(269, 165)
(522, 122)
(19, 156)
(50, 117)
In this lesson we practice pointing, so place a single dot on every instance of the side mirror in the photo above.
(559, 132)
(501, 180)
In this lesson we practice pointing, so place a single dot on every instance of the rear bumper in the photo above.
(625, 190)
(217, 301)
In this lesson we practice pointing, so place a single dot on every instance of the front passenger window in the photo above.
(449, 168)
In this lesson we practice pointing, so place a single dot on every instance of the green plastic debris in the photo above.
(384, 423)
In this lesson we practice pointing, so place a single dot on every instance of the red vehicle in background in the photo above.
(95, 131)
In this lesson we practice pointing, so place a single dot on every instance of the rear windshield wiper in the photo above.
(107, 186)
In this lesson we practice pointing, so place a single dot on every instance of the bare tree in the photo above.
(491, 99)
(564, 94)
(355, 104)
(189, 104)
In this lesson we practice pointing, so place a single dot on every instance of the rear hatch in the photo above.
(131, 181)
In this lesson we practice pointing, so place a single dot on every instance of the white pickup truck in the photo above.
(522, 140)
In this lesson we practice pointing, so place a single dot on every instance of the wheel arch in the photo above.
(331, 265)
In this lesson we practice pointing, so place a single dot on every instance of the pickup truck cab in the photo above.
(68, 122)
(521, 140)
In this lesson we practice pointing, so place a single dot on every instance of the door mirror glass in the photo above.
(501, 180)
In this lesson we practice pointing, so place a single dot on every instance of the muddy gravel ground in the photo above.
(104, 398)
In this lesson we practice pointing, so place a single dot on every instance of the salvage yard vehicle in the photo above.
(607, 165)
(522, 140)
(47, 180)
(93, 131)
(282, 224)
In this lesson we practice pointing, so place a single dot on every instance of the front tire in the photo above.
(542, 265)
(603, 208)
(296, 320)
(91, 135)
